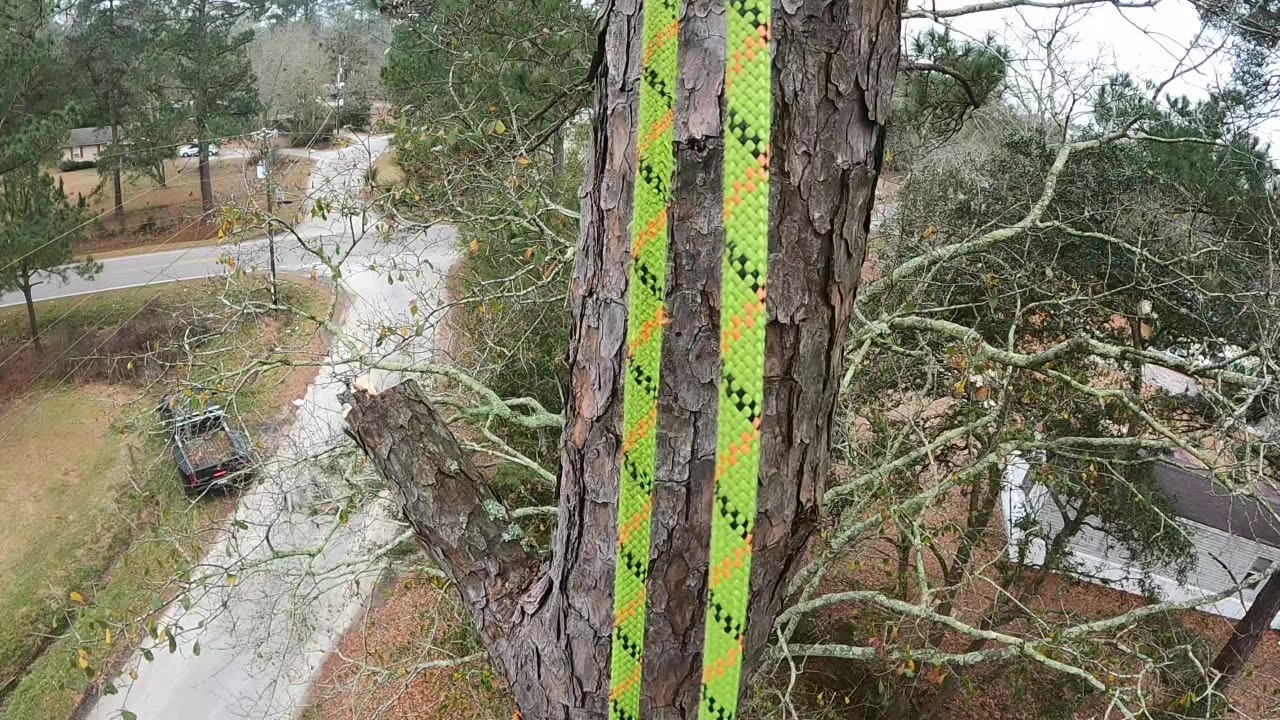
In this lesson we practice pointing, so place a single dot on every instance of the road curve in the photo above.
(290, 574)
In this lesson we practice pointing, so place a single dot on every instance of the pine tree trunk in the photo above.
(24, 283)
(206, 180)
(113, 114)
(1248, 633)
(549, 632)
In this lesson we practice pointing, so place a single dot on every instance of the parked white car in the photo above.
(193, 150)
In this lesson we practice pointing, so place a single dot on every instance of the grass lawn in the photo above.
(156, 214)
(92, 501)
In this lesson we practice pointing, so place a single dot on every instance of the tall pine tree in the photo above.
(208, 42)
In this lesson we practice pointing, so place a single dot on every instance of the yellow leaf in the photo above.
(83, 659)
(911, 665)
(499, 128)
(523, 161)
(231, 580)
(108, 637)
(133, 674)
(474, 247)
(77, 597)
(528, 254)
(929, 231)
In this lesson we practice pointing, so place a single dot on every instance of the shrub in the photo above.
(71, 165)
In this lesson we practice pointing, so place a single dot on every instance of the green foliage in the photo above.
(933, 103)
(31, 127)
(207, 43)
(1172, 198)
(38, 228)
(1177, 228)
(1256, 23)
(73, 165)
(487, 98)
(520, 61)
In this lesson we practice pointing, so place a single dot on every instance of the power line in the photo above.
(99, 346)
(104, 341)
(99, 216)
(77, 306)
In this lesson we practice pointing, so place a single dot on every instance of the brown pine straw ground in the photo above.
(417, 619)
(374, 672)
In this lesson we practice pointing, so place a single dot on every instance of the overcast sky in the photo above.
(1146, 42)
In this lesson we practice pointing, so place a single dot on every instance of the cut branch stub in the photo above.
(449, 506)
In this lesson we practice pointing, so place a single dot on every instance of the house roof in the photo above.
(80, 137)
(1195, 497)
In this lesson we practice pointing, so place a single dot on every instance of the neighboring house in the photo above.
(1235, 537)
(85, 144)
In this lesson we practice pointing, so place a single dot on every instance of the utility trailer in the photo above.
(208, 452)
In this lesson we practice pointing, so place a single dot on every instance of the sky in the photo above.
(1146, 42)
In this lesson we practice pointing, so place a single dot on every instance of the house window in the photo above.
(1260, 566)
(76, 153)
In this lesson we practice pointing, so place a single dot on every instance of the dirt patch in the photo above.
(376, 668)
(172, 215)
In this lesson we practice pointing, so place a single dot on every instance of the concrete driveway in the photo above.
(302, 571)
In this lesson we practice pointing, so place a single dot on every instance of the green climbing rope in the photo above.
(746, 223)
(748, 97)
(655, 161)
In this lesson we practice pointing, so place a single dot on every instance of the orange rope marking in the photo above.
(639, 430)
(657, 224)
(647, 329)
(631, 608)
(735, 451)
(625, 686)
(723, 664)
(633, 523)
(664, 36)
(751, 312)
(741, 188)
(723, 571)
(663, 125)
(738, 63)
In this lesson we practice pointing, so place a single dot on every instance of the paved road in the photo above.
(302, 575)
(336, 173)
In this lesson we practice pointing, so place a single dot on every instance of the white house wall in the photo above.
(1103, 562)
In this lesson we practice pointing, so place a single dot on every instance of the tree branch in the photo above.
(944, 70)
(1005, 4)
(449, 506)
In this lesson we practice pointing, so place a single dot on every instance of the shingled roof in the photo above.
(81, 137)
(1195, 497)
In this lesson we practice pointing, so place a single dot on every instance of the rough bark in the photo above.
(1247, 634)
(573, 655)
(206, 179)
(450, 508)
(202, 114)
(833, 70)
(689, 378)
